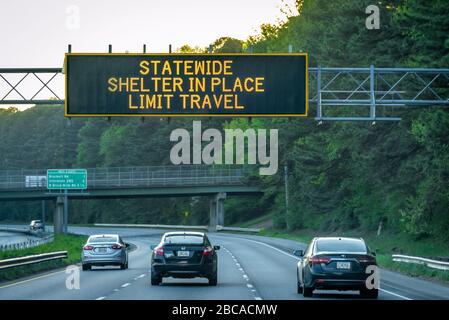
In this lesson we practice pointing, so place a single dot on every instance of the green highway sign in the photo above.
(66, 179)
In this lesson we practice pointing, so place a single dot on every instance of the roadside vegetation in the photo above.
(71, 243)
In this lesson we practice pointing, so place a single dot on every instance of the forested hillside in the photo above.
(342, 175)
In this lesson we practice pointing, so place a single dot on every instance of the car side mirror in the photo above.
(126, 245)
(216, 248)
(153, 246)
(298, 253)
(373, 253)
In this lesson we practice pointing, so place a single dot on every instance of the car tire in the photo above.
(300, 289)
(156, 280)
(123, 266)
(213, 279)
(307, 292)
(126, 265)
(369, 294)
(86, 267)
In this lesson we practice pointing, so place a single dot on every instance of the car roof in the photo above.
(104, 236)
(184, 233)
(339, 238)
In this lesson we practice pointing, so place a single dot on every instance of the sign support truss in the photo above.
(372, 93)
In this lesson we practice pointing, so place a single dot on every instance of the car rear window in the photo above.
(184, 239)
(335, 245)
(102, 239)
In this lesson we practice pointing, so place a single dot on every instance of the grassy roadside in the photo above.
(253, 222)
(384, 246)
(70, 243)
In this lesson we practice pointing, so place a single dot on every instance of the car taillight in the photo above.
(367, 259)
(319, 260)
(159, 251)
(208, 251)
(88, 247)
(116, 246)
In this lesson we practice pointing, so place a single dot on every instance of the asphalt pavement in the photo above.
(250, 268)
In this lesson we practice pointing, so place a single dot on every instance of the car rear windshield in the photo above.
(329, 245)
(102, 239)
(184, 239)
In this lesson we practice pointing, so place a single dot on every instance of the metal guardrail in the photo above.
(237, 229)
(133, 177)
(22, 261)
(441, 265)
(152, 226)
(180, 227)
(15, 230)
(26, 244)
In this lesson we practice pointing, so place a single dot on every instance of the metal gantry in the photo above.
(330, 89)
(14, 90)
(373, 87)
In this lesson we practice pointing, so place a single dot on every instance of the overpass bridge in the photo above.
(215, 182)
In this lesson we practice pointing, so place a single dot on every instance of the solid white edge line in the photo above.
(294, 257)
(101, 298)
(395, 294)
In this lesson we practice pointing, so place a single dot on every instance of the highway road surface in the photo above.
(13, 237)
(250, 268)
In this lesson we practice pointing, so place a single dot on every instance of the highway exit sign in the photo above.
(66, 179)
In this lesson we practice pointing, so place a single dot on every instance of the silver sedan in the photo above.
(104, 250)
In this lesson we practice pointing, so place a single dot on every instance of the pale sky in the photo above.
(35, 33)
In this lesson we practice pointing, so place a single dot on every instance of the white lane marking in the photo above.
(245, 276)
(32, 279)
(101, 298)
(274, 248)
(296, 258)
(395, 294)
(126, 285)
(116, 290)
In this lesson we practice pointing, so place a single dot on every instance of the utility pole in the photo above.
(43, 214)
(286, 194)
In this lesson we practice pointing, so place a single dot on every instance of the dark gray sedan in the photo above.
(104, 250)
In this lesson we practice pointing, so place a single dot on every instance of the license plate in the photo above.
(102, 250)
(183, 253)
(343, 265)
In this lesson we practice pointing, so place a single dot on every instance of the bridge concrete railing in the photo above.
(133, 177)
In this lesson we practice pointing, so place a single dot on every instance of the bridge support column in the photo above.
(58, 215)
(216, 211)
